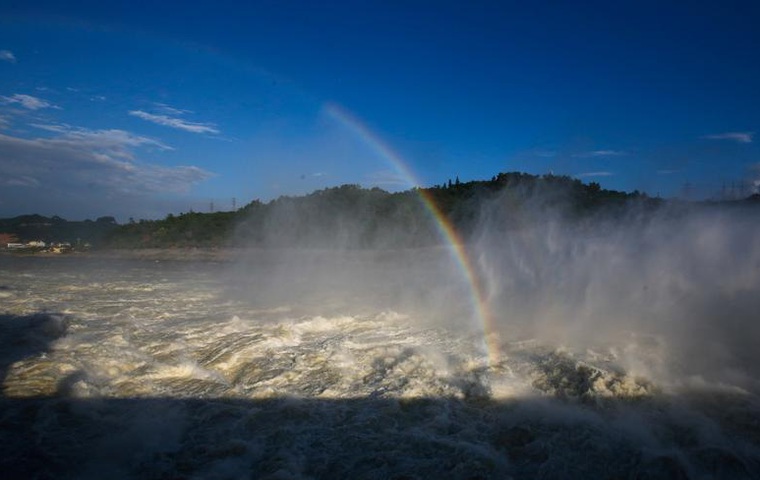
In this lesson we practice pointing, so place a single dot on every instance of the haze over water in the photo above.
(621, 355)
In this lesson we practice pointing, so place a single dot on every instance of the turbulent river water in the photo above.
(196, 369)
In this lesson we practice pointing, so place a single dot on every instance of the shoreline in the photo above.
(214, 254)
(178, 254)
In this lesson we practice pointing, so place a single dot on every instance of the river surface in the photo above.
(116, 368)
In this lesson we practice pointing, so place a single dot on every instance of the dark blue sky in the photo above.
(142, 108)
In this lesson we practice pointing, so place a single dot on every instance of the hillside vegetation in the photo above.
(354, 217)
(351, 216)
(28, 228)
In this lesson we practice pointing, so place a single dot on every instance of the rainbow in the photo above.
(444, 226)
(384, 151)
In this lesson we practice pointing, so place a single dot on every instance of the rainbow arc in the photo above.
(444, 226)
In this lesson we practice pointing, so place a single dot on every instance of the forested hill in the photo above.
(29, 228)
(355, 217)
(351, 216)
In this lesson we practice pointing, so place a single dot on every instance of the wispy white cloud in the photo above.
(175, 122)
(89, 166)
(739, 137)
(169, 110)
(113, 143)
(22, 181)
(27, 101)
(7, 56)
(594, 174)
(601, 153)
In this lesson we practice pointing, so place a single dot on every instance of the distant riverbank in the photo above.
(174, 254)
(231, 254)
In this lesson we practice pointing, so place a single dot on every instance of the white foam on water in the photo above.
(164, 375)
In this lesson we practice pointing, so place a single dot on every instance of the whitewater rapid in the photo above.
(158, 369)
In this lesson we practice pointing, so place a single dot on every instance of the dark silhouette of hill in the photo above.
(354, 217)
(27, 228)
(350, 216)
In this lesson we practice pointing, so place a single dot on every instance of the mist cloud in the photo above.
(664, 291)
(669, 293)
